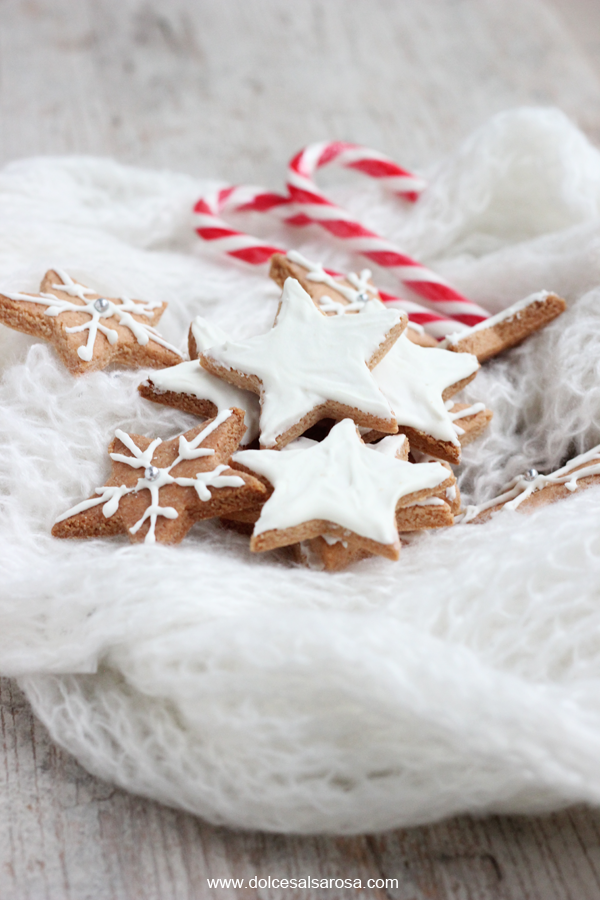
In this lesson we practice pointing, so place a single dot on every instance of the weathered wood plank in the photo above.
(64, 834)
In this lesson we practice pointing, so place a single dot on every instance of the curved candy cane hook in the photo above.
(211, 227)
(314, 207)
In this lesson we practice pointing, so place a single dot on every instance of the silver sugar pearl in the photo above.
(151, 473)
(531, 474)
(101, 304)
(362, 297)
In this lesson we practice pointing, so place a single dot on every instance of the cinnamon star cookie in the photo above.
(417, 381)
(189, 387)
(507, 328)
(531, 490)
(181, 481)
(311, 366)
(336, 295)
(338, 487)
(89, 331)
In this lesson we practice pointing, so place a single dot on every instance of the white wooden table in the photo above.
(232, 89)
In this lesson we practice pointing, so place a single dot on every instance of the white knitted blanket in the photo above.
(263, 695)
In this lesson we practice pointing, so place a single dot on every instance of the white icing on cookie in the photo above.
(392, 445)
(122, 308)
(154, 478)
(462, 413)
(190, 378)
(363, 291)
(511, 312)
(413, 379)
(340, 480)
(357, 296)
(522, 487)
(308, 358)
(206, 334)
(430, 501)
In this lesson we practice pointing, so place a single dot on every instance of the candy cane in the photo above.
(254, 251)
(210, 227)
(315, 208)
(370, 162)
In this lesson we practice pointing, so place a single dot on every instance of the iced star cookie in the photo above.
(418, 382)
(339, 485)
(189, 387)
(158, 489)
(469, 420)
(334, 294)
(415, 383)
(311, 366)
(436, 511)
(87, 330)
(508, 328)
(331, 553)
(530, 491)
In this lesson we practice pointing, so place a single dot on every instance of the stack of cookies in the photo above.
(332, 434)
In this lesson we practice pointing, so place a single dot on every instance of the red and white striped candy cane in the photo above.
(254, 251)
(370, 162)
(313, 207)
(210, 227)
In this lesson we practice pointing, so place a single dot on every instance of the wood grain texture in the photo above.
(64, 834)
(231, 90)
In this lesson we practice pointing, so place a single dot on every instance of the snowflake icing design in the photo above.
(358, 295)
(154, 478)
(98, 309)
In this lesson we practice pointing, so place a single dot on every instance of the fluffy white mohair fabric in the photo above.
(257, 693)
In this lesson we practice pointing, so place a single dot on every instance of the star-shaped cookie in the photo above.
(311, 366)
(331, 553)
(336, 294)
(530, 491)
(89, 331)
(415, 384)
(189, 387)
(417, 381)
(157, 490)
(338, 486)
(507, 328)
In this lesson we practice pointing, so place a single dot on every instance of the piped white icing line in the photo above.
(357, 296)
(122, 310)
(413, 379)
(430, 501)
(307, 359)
(340, 480)
(521, 487)
(463, 413)
(506, 315)
(110, 495)
(190, 378)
